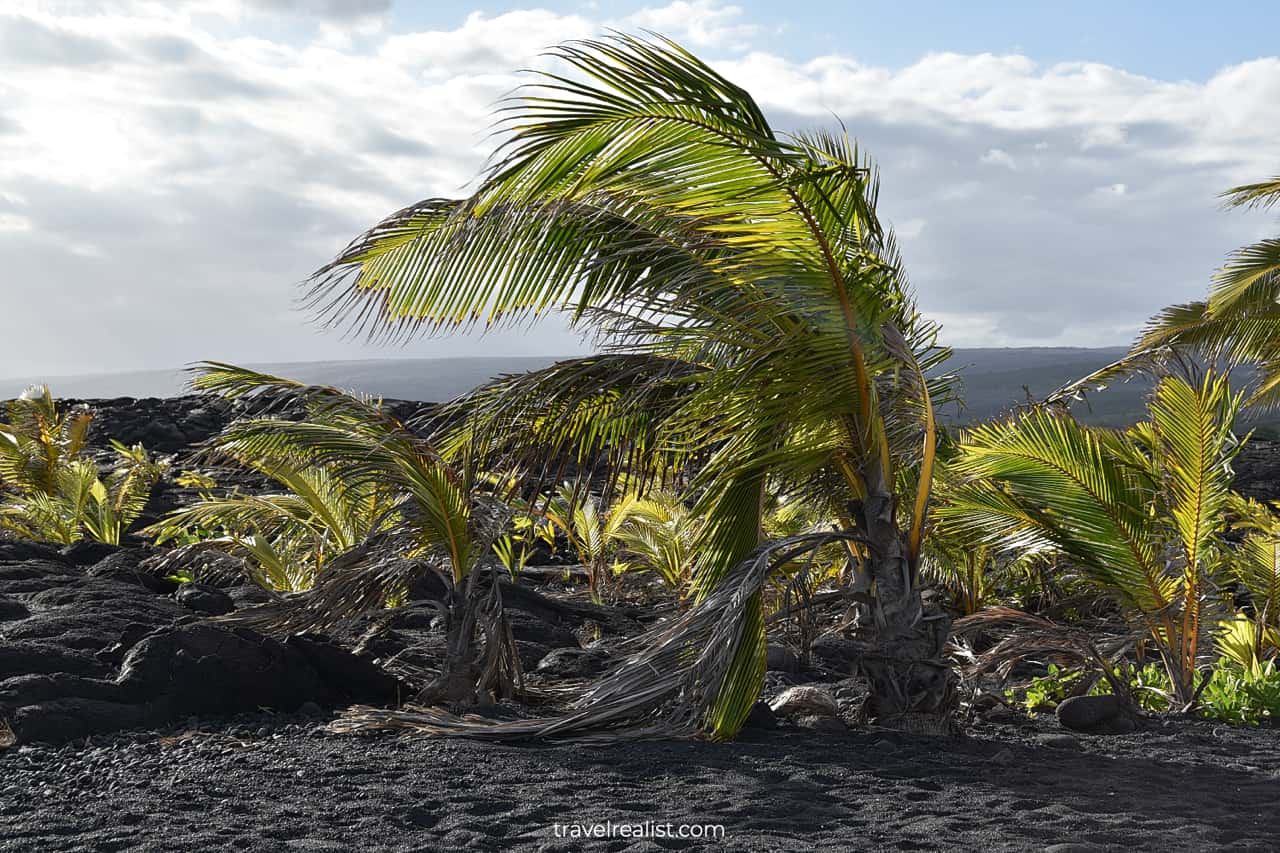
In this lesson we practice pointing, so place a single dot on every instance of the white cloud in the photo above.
(697, 23)
(195, 160)
(910, 229)
(14, 222)
(996, 157)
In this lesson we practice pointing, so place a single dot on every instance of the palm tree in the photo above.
(377, 507)
(38, 440)
(662, 534)
(592, 530)
(1239, 322)
(1140, 512)
(756, 330)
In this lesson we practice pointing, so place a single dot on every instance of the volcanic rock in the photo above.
(1099, 715)
(780, 658)
(203, 598)
(805, 700)
(575, 663)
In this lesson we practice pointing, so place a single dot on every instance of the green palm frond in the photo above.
(38, 440)
(599, 416)
(1141, 512)
(117, 502)
(1194, 428)
(1262, 194)
(1067, 488)
(50, 490)
(1250, 277)
(367, 504)
(361, 448)
(661, 532)
(1256, 565)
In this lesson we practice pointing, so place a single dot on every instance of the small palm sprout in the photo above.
(661, 534)
(51, 491)
(592, 530)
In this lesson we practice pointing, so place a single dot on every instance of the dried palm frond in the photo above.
(1024, 636)
(669, 687)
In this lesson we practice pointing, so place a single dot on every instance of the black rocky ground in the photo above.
(92, 640)
(272, 783)
(103, 646)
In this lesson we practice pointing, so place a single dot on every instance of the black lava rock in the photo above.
(86, 651)
(11, 608)
(575, 663)
(205, 599)
(1086, 713)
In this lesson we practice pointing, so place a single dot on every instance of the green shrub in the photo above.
(1045, 692)
(1242, 695)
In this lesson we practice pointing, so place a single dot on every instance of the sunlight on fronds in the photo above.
(1140, 512)
(50, 490)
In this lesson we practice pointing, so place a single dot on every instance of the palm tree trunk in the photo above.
(903, 643)
(480, 662)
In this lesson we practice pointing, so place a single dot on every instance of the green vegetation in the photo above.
(291, 535)
(51, 490)
(371, 507)
(757, 429)
(1140, 512)
(592, 530)
(660, 534)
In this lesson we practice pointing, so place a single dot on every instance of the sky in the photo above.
(171, 171)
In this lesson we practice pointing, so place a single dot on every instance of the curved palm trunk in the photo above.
(903, 643)
(480, 662)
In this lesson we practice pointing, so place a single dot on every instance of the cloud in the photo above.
(33, 43)
(697, 23)
(996, 157)
(14, 222)
(169, 172)
(330, 9)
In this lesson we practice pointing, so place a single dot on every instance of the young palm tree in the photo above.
(288, 536)
(592, 530)
(1140, 512)
(662, 534)
(392, 509)
(50, 490)
(755, 326)
(38, 440)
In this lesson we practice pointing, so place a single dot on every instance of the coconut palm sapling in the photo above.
(1140, 512)
(394, 510)
(755, 325)
(50, 489)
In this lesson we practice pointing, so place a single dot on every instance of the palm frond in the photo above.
(1050, 462)
(692, 676)
(1261, 194)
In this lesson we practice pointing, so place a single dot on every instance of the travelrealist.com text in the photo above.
(644, 829)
